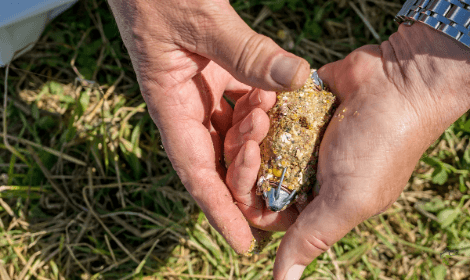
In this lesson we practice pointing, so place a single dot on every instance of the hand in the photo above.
(396, 99)
(179, 50)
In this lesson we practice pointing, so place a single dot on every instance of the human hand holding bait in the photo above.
(395, 100)
(289, 152)
(186, 55)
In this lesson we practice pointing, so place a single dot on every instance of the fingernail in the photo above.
(284, 69)
(246, 125)
(295, 272)
(255, 98)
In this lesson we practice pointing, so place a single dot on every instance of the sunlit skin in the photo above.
(186, 55)
(396, 99)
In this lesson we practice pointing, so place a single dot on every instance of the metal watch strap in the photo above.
(452, 17)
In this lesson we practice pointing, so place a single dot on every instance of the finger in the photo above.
(254, 126)
(220, 81)
(257, 98)
(241, 178)
(216, 79)
(235, 90)
(192, 154)
(218, 143)
(192, 146)
(251, 58)
(222, 118)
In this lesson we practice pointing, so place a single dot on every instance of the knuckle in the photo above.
(362, 55)
(259, 115)
(360, 65)
(250, 59)
(311, 242)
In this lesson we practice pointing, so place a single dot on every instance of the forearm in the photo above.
(427, 65)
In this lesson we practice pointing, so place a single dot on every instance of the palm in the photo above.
(192, 88)
(185, 99)
(366, 147)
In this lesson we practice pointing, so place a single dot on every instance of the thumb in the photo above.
(251, 58)
(316, 229)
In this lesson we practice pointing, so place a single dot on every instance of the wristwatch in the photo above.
(452, 17)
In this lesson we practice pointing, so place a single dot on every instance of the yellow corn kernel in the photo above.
(277, 172)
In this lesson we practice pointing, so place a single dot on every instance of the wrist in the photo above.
(432, 71)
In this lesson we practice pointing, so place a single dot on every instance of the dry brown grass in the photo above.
(88, 192)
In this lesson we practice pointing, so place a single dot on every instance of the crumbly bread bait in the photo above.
(289, 153)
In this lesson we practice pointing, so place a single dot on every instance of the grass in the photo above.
(87, 191)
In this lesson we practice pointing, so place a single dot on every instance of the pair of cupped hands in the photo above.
(395, 99)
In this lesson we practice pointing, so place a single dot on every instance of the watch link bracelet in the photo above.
(452, 17)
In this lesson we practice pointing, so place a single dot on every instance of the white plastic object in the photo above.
(22, 22)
